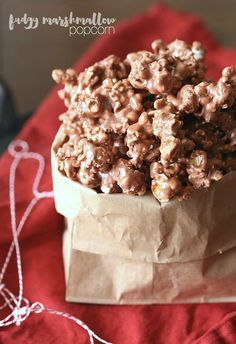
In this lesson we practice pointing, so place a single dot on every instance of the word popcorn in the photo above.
(96, 24)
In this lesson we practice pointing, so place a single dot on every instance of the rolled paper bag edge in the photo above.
(139, 228)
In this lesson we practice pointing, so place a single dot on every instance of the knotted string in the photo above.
(19, 306)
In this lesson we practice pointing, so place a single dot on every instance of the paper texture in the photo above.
(104, 279)
(130, 249)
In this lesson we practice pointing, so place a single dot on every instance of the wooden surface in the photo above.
(27, 57)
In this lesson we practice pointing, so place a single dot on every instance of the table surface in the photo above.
(28, 57)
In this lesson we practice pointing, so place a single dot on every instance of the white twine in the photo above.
(19, 306)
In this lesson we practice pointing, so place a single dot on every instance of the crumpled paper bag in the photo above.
(121, 249)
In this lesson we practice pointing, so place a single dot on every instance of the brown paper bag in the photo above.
(130, 249)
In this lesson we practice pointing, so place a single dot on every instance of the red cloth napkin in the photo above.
(41, 239)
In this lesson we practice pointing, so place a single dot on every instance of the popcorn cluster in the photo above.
(151, 121)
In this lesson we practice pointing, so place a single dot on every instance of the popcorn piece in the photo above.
(69, 79)
(124, 175)
(166, 121)
(201, 171)
(213, 97)
(180, 49)
(141, 141)
(168, 68)
(164, 189)
(126, 105)
(152, 73)
(83, 160)
(190, 56)
(109, 68)
(170, 149)
(186, 100)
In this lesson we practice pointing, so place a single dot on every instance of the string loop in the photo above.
(17, 148)
(19, 306)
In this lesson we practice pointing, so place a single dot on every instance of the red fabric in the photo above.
(41, 239)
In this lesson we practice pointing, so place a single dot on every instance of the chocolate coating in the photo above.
(151, 121)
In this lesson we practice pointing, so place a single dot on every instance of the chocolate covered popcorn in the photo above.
(150, 122)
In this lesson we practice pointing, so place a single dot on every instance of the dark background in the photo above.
(28, 57)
